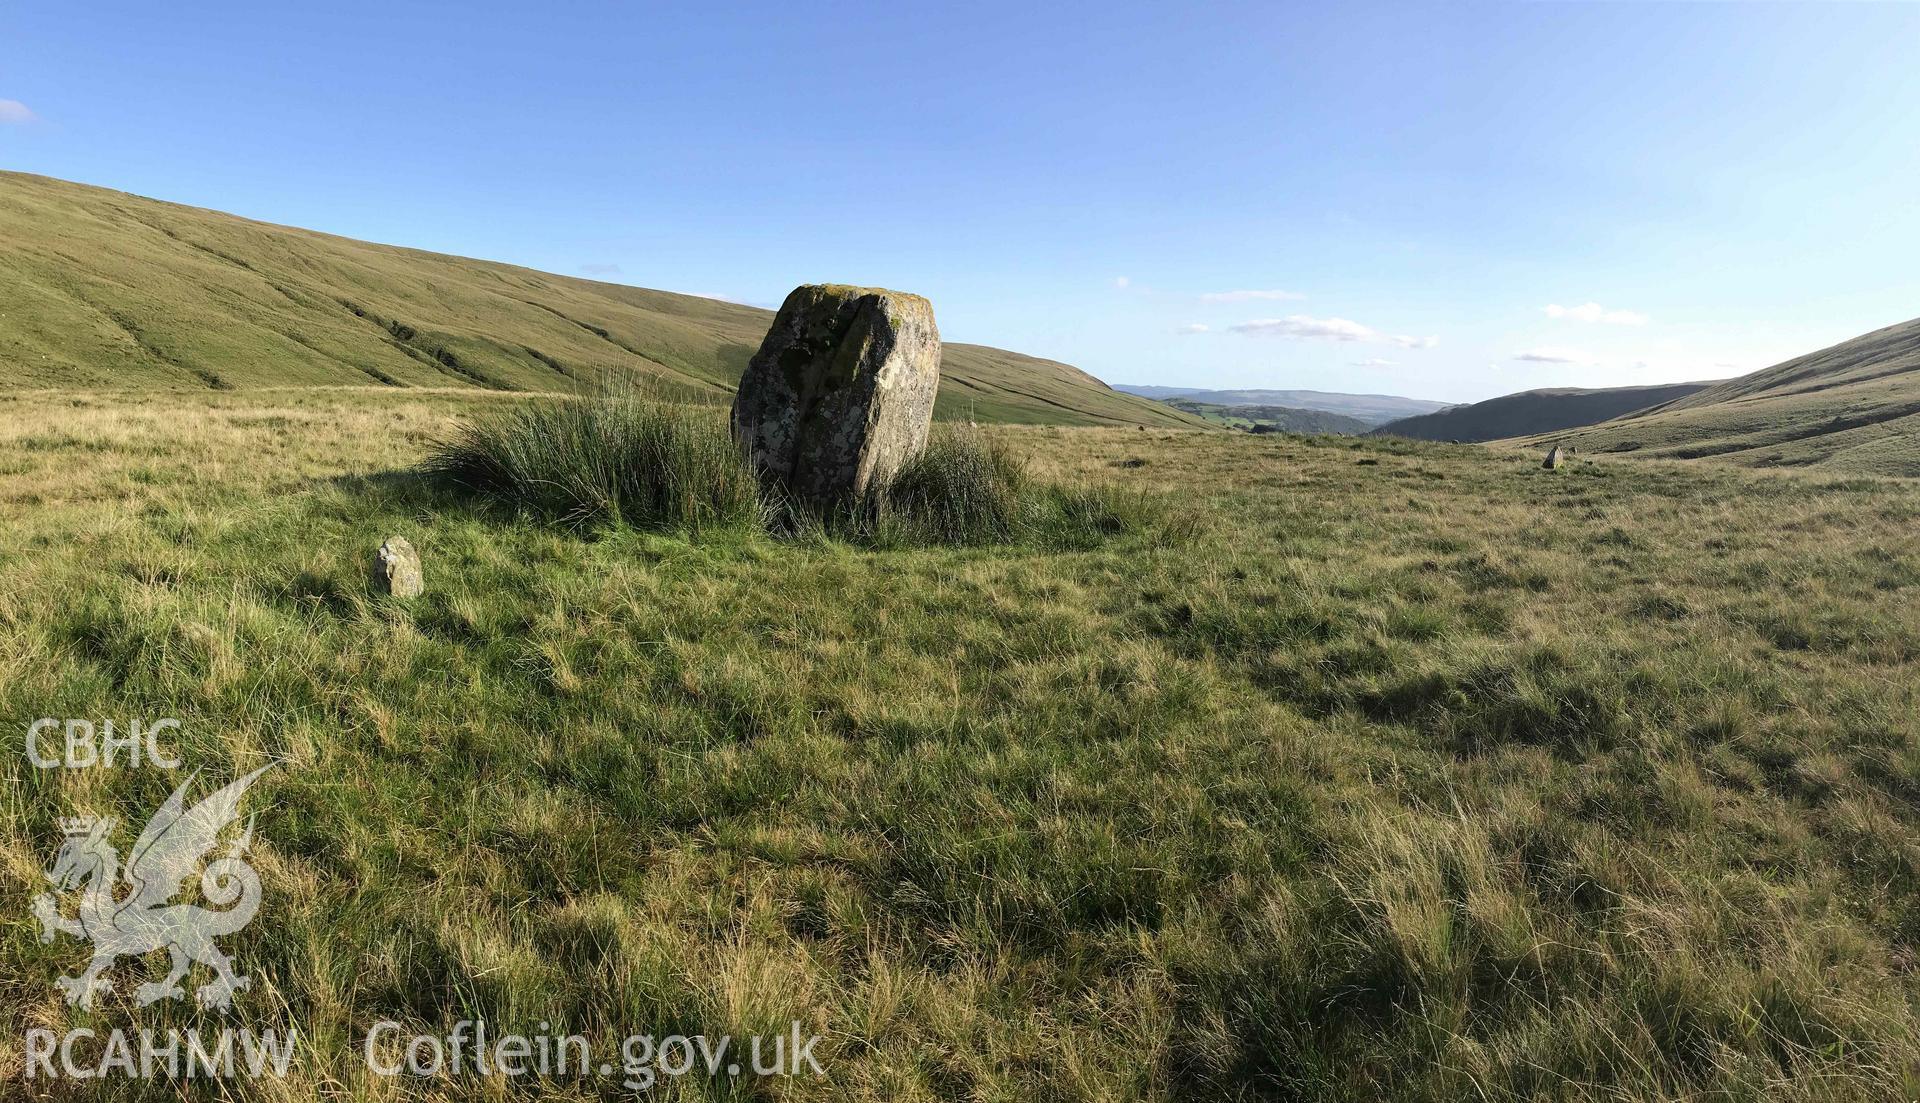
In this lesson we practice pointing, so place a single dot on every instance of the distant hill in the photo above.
(1531, 412)
(102, 289)
(1284, 418)
(1374, 409)
(1852, 407)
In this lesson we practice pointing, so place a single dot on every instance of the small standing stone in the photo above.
(396, 569)
(1553, 458)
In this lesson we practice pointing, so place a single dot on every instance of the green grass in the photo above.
(620, 458)
(614, 457)
(1404, 771)
(970, 488)
(110, 291)
(963, 489)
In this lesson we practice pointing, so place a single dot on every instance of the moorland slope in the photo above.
(1536, 411)
(1853, 407)
(106, 290)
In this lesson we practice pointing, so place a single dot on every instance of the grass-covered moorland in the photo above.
(1379, 770)
(106, 290)
(1852, 409)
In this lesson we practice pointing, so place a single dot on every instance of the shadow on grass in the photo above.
(418, 493)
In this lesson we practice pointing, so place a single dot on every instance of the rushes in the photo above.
(964, 489)
(970, 489)
(616, 457)
(619, 457)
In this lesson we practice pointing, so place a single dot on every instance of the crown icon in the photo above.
(77, 825)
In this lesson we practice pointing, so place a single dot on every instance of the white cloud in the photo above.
(1305, 328)
(1554, 356)
(1302, 327)
(1249, 296)
(1594, 312)
(1375, 362)
(1121, 282)
(1194, 327)
(602, 270)
(13, 111)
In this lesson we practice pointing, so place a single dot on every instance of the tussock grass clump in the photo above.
(967, 488)
(1085, 515)
(621, 457)
(616, 457)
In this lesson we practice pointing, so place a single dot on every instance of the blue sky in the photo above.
(1345, 197)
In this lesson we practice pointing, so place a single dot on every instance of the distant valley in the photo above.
(1532, 412)
(1369, 409)
(1854, 406)
(1270, 419)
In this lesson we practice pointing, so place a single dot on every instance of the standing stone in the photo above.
(840, 394)
(396, 569)
(1553, 458)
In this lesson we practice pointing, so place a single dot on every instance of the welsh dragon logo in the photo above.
(146, 919)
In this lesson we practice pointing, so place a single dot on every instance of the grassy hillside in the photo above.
(1374, 409)
(1404, 772)
(1539, 411)
(1283, 418)
(1854, 407)
(109, 290)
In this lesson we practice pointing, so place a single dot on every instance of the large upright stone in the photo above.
(841, 392)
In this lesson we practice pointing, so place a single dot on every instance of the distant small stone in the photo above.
(1553, 459)
(396, 569)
